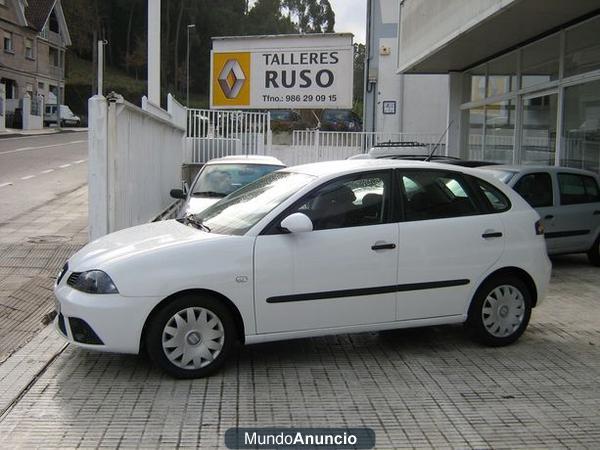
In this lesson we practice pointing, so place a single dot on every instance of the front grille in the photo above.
(61, 324)
(83, 333)
(72, 280)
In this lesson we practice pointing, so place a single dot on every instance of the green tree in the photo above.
(314, 16)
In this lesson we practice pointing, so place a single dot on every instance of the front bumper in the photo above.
(103, 322)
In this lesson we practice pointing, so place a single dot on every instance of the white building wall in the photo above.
(421, 100)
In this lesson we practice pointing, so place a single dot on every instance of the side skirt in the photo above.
(270, 337)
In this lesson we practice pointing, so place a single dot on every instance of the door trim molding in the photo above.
(367, 291)
(561, 234)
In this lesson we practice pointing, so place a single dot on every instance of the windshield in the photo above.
(503, 175)
(281, 115)
(337, 115)
(240, 211)
(219, 180)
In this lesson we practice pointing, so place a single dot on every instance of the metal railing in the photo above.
(213, 134)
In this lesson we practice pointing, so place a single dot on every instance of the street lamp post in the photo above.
(187, 71)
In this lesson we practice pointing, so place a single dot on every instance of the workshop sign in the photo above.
(282, 72)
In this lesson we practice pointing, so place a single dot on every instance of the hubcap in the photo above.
(503, 311)
(193, 338)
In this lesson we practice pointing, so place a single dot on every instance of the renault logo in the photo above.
(232, 78)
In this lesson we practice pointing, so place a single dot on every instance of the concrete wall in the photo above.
(135, 159)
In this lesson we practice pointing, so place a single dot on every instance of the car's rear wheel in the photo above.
(594, 253)
(191, 337)
(500, 311)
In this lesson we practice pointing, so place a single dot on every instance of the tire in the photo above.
(594, 253)
(172, 349)
(496, 302)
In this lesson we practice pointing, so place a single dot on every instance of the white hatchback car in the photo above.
(326, 248)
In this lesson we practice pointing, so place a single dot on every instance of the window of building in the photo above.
(349, 202)
(539, 62)
(576, 189)
(8, 42)
(53, 22)
(499, 132)
(502, 75)
(54, 56)
(29, 48)
(475, 139)
(538, 129)
(582, 52)
(581, 127)
(476, 84)
(435, 195)
(41, 86)
(536, 189)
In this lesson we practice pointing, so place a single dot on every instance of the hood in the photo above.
(142, 239)
(196, 205)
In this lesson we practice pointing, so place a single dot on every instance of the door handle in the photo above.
(383, 246)
(491, 234)
(549, 217)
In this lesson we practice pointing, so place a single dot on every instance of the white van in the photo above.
(67, 117)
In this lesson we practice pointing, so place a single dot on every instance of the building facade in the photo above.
(524, 76)
(35, 37)
(396, 102)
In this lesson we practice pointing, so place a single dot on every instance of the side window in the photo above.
(576, 189)
(435, 195)
(349, 202)
(536, 189)
(497, 200)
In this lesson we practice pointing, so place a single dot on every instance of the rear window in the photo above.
(576, 189)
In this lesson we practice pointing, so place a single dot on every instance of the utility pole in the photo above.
(187, 70)
(154, 51)
(101, 66)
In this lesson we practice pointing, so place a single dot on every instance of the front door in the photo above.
(342, 273)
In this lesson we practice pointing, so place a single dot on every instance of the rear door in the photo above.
(448, 239)
(578, 216)
(538, 190)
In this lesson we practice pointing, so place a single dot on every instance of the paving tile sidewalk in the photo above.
(419, 388)
(33, 247)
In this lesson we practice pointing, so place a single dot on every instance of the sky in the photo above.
(350, 17)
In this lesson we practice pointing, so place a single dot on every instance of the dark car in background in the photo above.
(340, 120)
(287, 120)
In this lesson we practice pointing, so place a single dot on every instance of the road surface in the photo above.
(37, 169)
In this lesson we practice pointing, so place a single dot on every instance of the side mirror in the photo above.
(177, 193)
(297, 223)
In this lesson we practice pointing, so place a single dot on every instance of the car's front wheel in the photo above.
(500, 311)
(191, 337)
(594, 253)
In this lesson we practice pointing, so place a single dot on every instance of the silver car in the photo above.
(567, 200)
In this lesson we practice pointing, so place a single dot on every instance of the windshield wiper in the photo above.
(191, 220)
(209, 194)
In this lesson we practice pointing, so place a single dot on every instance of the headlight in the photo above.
(94, 282)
